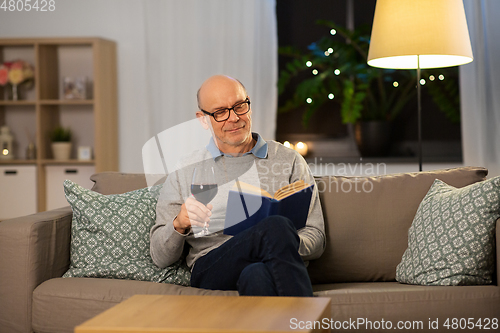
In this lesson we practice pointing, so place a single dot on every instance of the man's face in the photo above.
(235, 132)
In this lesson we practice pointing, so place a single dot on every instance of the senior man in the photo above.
(267, 259)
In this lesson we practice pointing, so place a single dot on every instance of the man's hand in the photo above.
(193, 213)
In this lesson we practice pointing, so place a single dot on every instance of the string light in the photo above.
(333, 32)
(422, 81)
(309, 63)
(315, 72)
(336, 72)
(441, 77)
(309, 100)
(331, 96)
(330, 50)
(327, 53)
(288, 144)
(395, 84)
(432, 77)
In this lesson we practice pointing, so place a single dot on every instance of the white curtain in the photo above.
(187, 41)
(480, 87)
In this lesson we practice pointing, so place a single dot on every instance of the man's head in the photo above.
(223, 92)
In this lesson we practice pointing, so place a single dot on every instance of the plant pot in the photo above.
(373, 137)
(61, 150)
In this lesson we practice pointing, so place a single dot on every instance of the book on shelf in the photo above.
(247, 205)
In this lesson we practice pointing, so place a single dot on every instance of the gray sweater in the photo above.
(282, 166)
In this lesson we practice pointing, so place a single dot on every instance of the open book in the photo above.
(247, 205)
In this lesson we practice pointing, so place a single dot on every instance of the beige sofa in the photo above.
(366, 238)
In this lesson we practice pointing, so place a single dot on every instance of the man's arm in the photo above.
(312, 236)
(166, 244)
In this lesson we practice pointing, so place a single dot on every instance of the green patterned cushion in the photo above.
(451, 240)
(110, 236)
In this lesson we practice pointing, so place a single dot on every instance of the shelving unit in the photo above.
(93, 121)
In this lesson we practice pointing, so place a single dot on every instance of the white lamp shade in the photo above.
(432, 32)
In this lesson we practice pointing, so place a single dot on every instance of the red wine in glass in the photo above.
(204, 188)
(204, 193)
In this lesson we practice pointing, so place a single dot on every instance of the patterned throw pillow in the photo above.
(110, 236)
(451, 240)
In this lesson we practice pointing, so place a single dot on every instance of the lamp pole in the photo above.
(419, 112)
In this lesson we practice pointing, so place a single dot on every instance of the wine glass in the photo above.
(204, 189)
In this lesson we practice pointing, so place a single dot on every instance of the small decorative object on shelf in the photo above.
(16, 73)
(61, 143)
(84, 153)
(31, 151)
(6, 141)
(74, 88)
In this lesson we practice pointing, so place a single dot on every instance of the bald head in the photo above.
(218, 86)
(234, 134)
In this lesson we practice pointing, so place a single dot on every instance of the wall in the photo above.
(118, 20)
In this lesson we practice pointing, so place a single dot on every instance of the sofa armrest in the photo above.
(497, 236)
(33, 249)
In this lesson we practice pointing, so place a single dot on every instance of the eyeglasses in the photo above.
(223, 114)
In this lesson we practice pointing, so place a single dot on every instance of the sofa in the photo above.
(367, 234)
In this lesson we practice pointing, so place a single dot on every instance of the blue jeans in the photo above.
(260, 261)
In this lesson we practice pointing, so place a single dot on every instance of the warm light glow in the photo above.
(301, 148)
(333, 32)
(288, 144)
(426, 61)
(309, 63)
(336, 72)
(395, 84)
(309, 100)
(331, 96)
(315, 71)
(330, 50)
(327, 53)
(5, 151)
(422, 81)
(432, 77)
(426, 33)
(441, 77)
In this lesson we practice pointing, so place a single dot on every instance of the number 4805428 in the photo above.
(28, 5)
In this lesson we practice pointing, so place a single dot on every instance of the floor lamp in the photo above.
(411, 34)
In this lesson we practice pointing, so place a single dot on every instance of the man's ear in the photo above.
(202, 119)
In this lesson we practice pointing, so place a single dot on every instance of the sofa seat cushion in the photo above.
(60, 304)
(367, 221)
(395, 302)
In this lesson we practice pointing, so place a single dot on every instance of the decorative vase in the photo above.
(15, 96)
(373, 137)
(61, 150)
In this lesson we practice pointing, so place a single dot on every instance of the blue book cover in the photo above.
(247, 205)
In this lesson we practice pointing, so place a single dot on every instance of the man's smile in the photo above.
(233, 130)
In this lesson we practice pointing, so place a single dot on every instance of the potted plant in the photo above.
(61, 143)
(369, 98)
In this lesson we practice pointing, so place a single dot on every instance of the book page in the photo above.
(290, 189)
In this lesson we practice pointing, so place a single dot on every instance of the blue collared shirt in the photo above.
(259, 150)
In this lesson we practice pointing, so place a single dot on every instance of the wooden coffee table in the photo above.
(174, 313)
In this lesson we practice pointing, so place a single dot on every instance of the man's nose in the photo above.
(233, 116)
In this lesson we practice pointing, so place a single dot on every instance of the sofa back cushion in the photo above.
(119, 182)
(367, 221)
